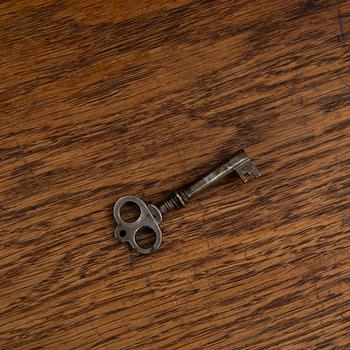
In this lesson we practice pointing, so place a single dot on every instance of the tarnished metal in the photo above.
(151, 215)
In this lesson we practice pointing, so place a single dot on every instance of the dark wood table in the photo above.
(101, 99)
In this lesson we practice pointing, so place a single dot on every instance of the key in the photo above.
(152, 215)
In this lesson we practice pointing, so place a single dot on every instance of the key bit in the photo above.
(152, 215)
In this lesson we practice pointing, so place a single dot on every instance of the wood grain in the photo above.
(101, 99)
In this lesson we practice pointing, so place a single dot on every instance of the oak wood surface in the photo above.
(100, 99)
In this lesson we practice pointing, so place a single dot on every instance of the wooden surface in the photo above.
(101, 99)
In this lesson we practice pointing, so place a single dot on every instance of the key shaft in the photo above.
(239, 163)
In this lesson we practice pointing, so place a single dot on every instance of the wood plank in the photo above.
(101, 99)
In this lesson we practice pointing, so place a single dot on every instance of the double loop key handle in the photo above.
(151, 215)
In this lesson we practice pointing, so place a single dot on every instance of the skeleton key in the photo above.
(152, 215)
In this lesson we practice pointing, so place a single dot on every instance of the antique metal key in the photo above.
(151, 215)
